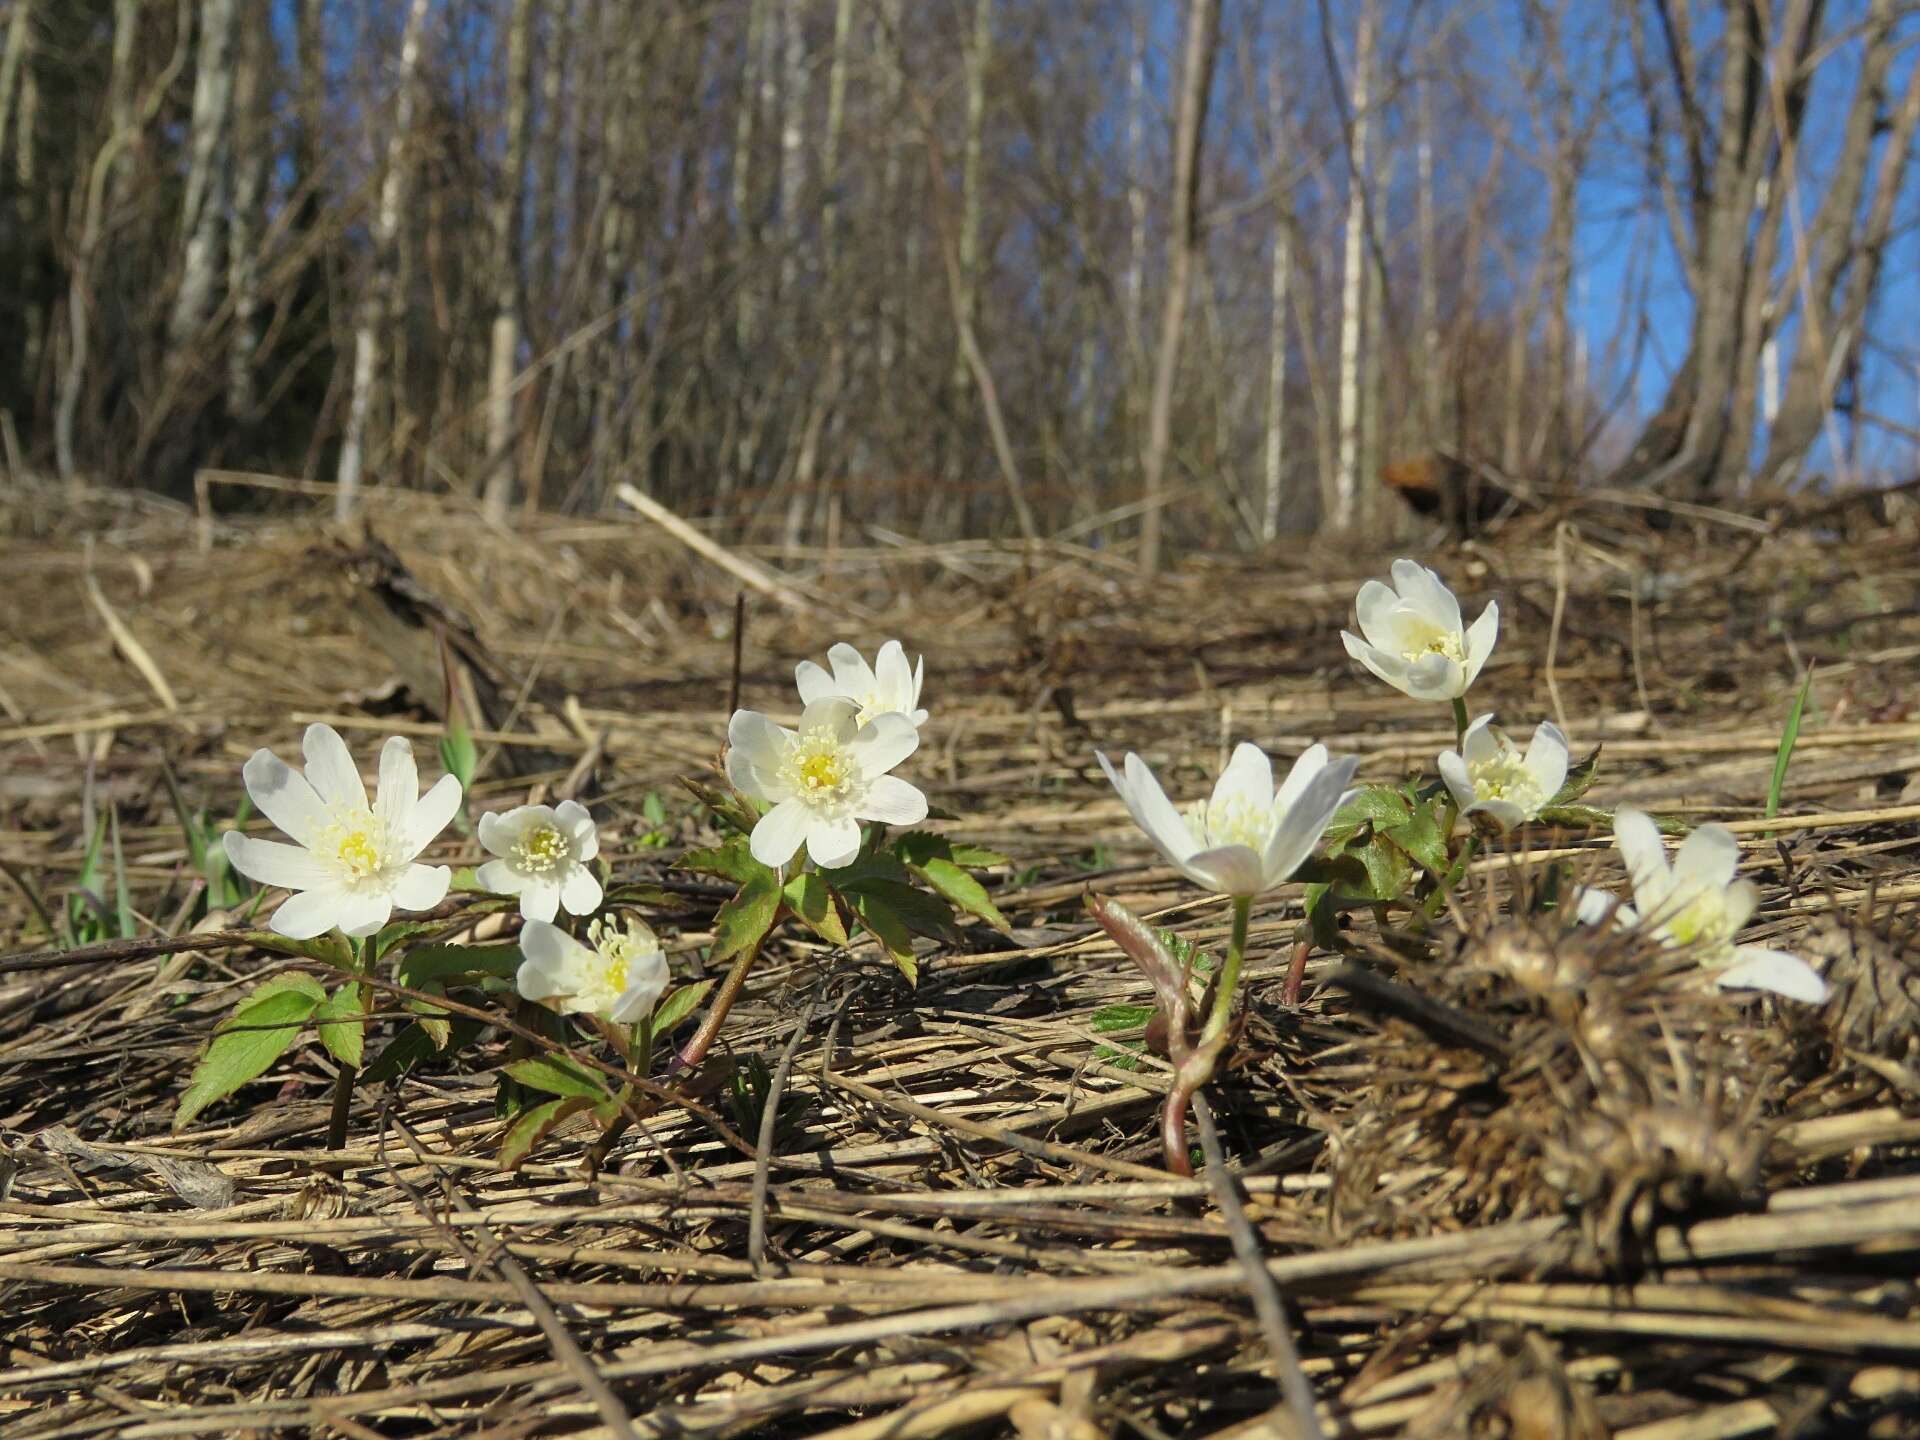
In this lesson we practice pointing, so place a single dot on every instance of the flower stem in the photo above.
(696, 1049)
(1459, 720)
(1230, 976)
(343, 1082)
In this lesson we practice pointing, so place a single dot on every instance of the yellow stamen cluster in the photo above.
(541, 851)
(1440, 642)
(1234, 821)
(1505, 776)
(357, 844)
(619, 944)
(1698, 917)
(818, 768)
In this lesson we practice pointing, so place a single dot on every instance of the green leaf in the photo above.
(730, 860)
(391, 935)
(934, 860)
(257, 1033)
(917, 846)
(924, 914)
(427, 964)
(122, 902)
(1788, 738)
(1389, 869)
(1110, 1018)
(677, 1006)
(557, 1075)
(534, 1125)
(459, 754)
(1579, 780)
(743, 922)
(880, 920)
(1422, 838)
(328, 949)
(414, 1044)
(340, 1019)
(1576, 817)
(811, 900)
(1377, 805)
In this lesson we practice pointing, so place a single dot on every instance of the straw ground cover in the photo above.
(1498, 1178)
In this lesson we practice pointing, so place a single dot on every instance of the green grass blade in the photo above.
(1788, 737)
(122, 903)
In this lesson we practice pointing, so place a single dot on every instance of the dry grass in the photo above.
(1629, 1207)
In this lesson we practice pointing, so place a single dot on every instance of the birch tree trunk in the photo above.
(12, 59)
(979, 55)
(508, 212)
(252, 144)
(377, 288)
(1429, 260)
(1196, 84)
(203, 210)
(1281, 273)
(1345, 509)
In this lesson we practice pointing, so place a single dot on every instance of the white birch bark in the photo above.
(203, 209)
(1346, 483)
(508, 211)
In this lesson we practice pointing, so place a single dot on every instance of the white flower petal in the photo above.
(577, 824)
(363, 912)
(1390, 668)
(1639, 841)
(1312, 761)
(432, 813)
(1227, 870)
(1755, 967)
(1547, 759)
(499, 878)
(271, 863)
(331, 770)
(812, 682)
(1479, 642)
(1435, 677)
(851, 673)
(833, 842)
(1372, 607)
(894, 677)
(1428, 594)
(883, 743)
(1742, 899)
(1155, 813)
(1597, 907)
(757, 740)
(1460, 784)
(892, 801)
(540, 899)
(1707, 858)
(1505, 813)
(1247, 779)
(1307, 819)
(421, 887)
(835, 713)
(284, 796)
(647, 978)
(556, 964)
(580, 892)
(780, 832)
(1481, 742)
(399, 788)
(309, 913)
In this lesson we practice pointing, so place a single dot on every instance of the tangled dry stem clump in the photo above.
(1573, 1195)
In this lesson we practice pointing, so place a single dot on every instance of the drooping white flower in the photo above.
(619, 976)
(822, 779)
(1697, 902)
(888, 686)
(543, 858)
(1489, 775)
(1414, 637)
(1248, 837)
(354, 862)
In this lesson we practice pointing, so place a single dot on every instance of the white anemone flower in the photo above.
(1488, 774)
(1248, 837)
(543, 856)
(888, 686)
(822, 779)
(1414, 637)
(1697, 902)
(354, 862)
(619, 976)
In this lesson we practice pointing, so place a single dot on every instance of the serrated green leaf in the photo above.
(425, 964)
(811, 901)
(340, 1021)
(1576, 817)
(412, 1045)
(743, 922)
(879, 919)
(965, 892)
(1388, 868)
(534, 1125)
(1379, 805)
(328, 949)
(924, 914)
(677, 1006)
(392, 935)
(557, 1075)
(917, 846)
(1422, 838)
(730, 860)
(871, 865)
(258, 1032)
(1110, 1018)
(1579, 780)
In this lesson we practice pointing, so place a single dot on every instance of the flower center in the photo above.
(541, 851)
(619, 944)
(1235, 821)
(1439, 642)
(357, 843)
(818, 769)
(1506, 777)
(1697, 918)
